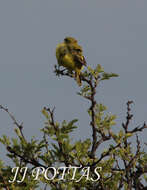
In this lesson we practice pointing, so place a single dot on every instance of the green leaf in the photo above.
(45, 113)
(99, 68)
(107, 76)
(90, 70)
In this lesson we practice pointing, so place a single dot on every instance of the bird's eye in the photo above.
(66, 40)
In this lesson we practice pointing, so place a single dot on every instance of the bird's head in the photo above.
(69, 40)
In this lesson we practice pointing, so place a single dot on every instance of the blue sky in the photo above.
(112, 33)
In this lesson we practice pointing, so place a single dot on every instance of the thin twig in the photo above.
(52, 123)
(105, 154)
(31, 161)
(20, 127)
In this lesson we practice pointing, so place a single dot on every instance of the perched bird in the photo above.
(70, 55)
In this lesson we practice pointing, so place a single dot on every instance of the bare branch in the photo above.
(128, 117)
(107, 153)
(30, 161)
(138, 129)
(20, 127)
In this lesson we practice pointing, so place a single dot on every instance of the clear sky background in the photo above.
(113, 33)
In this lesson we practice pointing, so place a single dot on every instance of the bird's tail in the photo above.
(78, 79)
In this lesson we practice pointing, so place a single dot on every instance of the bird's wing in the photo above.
(76, 51)
(79, 58)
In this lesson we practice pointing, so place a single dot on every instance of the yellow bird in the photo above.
(70, 55)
